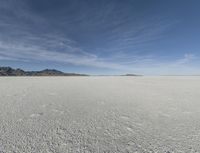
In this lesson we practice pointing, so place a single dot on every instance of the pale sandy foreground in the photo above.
(99, 114)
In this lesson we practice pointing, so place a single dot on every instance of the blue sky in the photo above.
(150, 37)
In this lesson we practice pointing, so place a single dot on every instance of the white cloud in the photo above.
(186, 59)
(20, 42)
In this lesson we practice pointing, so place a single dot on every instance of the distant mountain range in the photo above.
(8, 71)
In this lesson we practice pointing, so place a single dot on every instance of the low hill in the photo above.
(131, 75)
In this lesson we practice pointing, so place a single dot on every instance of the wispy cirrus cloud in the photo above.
(187, 58)
(22, 41)
(101, 36)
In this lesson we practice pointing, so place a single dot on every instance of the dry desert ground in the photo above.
(100, 114)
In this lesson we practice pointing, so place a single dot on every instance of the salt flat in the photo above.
(100, 114)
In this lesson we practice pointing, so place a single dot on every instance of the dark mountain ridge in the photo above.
(8, 71)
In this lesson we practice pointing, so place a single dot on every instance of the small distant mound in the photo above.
(8, 71)
(132, 75)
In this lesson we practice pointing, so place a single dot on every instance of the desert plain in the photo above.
(107, 114)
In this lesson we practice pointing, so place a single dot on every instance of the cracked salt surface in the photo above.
(99, 114)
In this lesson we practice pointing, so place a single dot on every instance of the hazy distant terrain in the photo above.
(8, 71)
(100, 114)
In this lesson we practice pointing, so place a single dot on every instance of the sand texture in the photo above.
(100, 114)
